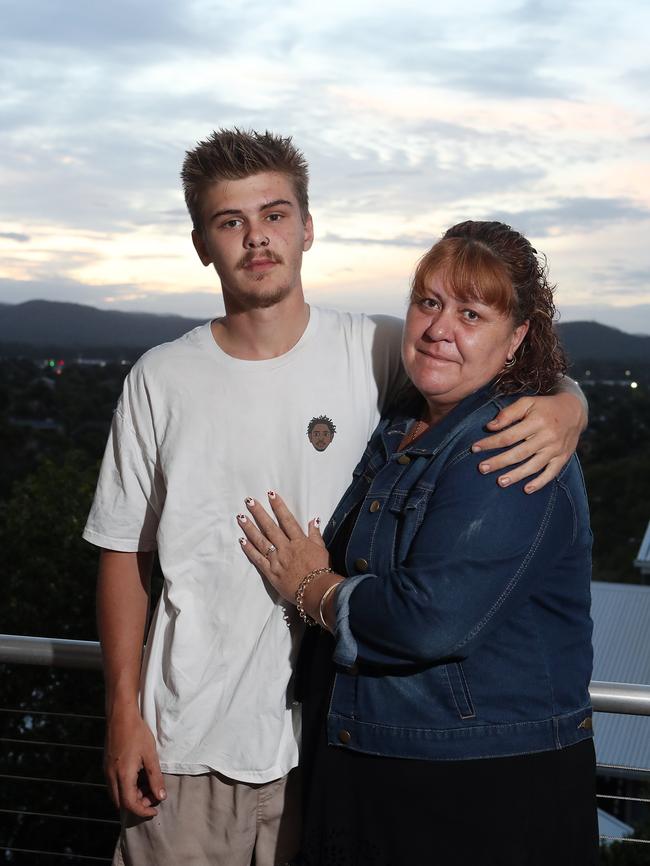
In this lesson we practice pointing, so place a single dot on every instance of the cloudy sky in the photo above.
(531, 111)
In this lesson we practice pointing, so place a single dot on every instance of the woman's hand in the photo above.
(544, 432)
(281, 551)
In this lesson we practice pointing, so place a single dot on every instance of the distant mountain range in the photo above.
(591, 341)
(50, 325)
(79, 327)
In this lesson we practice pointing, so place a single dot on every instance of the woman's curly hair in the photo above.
(492, 263)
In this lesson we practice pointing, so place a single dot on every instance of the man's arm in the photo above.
(122, 605)
(544, 432)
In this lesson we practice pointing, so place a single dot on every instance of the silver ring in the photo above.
(271, 549)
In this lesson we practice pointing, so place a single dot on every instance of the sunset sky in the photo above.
(412, 115)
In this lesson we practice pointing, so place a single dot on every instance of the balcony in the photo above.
(54, 806)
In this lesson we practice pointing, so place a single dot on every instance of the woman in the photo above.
(455, 724)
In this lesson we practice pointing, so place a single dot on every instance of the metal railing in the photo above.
(17, 649)
(22, 650)
(73, 814)
(606, 697)
(620, 698)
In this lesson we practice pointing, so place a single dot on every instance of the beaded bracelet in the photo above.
(300, 593)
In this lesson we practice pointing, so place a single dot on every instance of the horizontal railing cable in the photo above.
(52, 781)
(623, 767)
(621, 797)
(59, 816)
(56, 854)
(28, 711)
(629, 839)
(27, 741)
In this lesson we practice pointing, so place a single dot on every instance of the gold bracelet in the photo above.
(323, 602)
(300, 593)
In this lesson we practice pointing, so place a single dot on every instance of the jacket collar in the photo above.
(436, 435)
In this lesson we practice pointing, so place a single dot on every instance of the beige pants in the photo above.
(211, 820)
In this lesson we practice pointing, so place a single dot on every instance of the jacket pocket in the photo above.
(460, 690)
(408, 511)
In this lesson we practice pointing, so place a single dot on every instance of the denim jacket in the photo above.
(463, 627)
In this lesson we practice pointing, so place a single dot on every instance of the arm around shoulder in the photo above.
(540, 432)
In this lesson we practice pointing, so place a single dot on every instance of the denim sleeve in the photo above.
(478, 552)
(346, 650)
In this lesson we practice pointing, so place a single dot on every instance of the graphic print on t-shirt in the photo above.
(320, 432)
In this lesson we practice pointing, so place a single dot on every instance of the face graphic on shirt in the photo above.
(320, 432)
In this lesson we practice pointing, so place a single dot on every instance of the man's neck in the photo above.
(261, 334)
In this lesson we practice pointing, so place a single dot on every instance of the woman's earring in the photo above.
(510, 362)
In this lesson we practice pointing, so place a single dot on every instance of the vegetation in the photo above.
(53, 426)
(616, 462)
(53, 429)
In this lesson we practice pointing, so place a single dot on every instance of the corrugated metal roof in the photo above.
(643, 556)
(608, 825)
(621, 614)
(622, 741)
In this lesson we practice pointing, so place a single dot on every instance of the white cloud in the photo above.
(412, 117)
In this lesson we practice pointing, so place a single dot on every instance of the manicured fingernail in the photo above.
(242, 518)
(316, 521)
(242, 541)
(484, 467)
(504, 481)
(476, 449)
(250, 502)
(271, 494)
(530, 488)
(162, 794)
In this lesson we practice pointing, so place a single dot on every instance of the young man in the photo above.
(201, 742)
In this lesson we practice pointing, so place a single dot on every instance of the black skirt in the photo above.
(366, 810)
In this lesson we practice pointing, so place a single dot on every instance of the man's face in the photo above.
(320, 436)
(254, 235)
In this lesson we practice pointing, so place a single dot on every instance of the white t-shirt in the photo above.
(195, 432)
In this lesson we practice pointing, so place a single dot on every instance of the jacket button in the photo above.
(404, 459)
(345, 737)
(361, 564)
(375, 506)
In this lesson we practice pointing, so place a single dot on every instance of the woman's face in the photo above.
(451, 348)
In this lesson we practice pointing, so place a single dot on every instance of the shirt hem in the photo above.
(124, 545)
(177, 768)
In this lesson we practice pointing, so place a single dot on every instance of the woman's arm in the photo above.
(479, 552)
